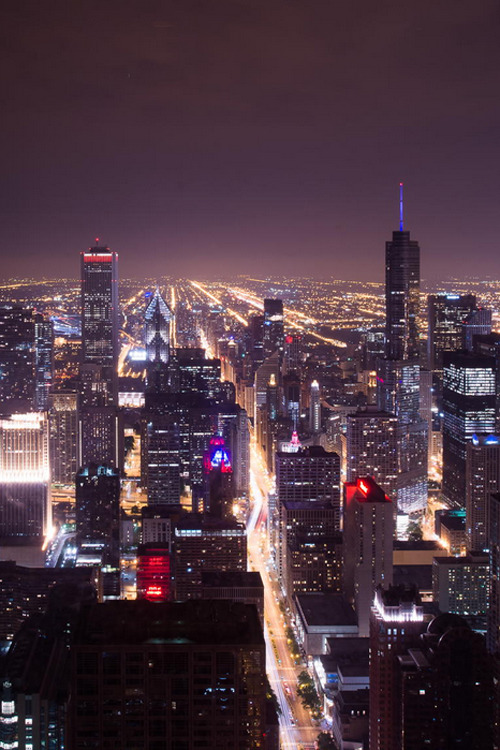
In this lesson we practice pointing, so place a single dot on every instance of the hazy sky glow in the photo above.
(218, 136)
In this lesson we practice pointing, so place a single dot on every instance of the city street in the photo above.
(297, 728)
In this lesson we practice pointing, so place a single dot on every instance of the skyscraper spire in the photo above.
(400, 206)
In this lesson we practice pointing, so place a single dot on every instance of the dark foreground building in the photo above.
(176, 675)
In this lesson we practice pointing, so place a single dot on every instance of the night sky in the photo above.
(249, 136)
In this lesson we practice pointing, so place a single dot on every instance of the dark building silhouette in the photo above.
(98, 510)
(445, 689)
(172, 676)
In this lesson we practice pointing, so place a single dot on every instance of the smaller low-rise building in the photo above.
(321, 616)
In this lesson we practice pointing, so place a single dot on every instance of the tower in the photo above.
(273, 334)
(315, 409)
(99, 300)
(158, 320)
(368, 541)
(98, 509)
(372, 447)
(447, 314)
(482, 478)
(402, 292)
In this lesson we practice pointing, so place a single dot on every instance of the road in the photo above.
(296, 725)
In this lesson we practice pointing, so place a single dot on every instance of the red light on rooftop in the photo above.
(363, 487)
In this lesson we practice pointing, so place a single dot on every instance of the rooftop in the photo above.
(326, 609)
(139, 623)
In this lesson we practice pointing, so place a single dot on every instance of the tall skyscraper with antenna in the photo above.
(402, 291)
(398, 374)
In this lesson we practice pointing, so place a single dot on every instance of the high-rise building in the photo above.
(482, 478)
(311, 475)
(315, 408)
(445, 691)
(402, 295)
(63, 435)
(158, 321)
(478, 323)
(161, 470)
(493, 636)
(398, 392)
(372, 447)
(460, 585)
(99, 274)
(273, 333)
(25, 512)
(368, 542)
(396, 623)
(98, 510)
(44, 360)
(469, 407)
(447, 314)
(174, 675)
(292, 353)
(202, 543)
(16, 357)
(153, 572)
(100, 436)
(158, 318)
(218, 479)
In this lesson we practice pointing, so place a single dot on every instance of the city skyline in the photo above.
(249, 135)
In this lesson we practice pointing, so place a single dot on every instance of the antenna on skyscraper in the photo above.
(400, 206)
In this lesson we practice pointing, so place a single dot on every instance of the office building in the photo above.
(18, 359)
(63, 435)
(100, 436)
(314, 408)
(161, 460)
(445, 696)
(273, 331)
(478, 323)
(396, 624)
(158, 335)
(100, 311)
(158, 318)
(372, 447)
(460, 585)
(493, 636)
(25, 511)
(310, 475)
(207, 657)
(482, 478)
(218, 479)
(447, 315)
(203, 543)
(44, 360)
(98, 510)
(398, 392)
(469, 407)
(153, 572)
(368, 541)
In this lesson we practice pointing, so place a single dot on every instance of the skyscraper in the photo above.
(98, 509)
(63, 435)
(44, 360)
(368, 542)
(398, 392)
(447, 314)
(25, 512)
(372, 448)
(315, 408)
(99, 275)
(273, 334)
(402, 294)
(469, 407)
(158, 320)
(482, 478)
(18, 359)
(396, 623)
